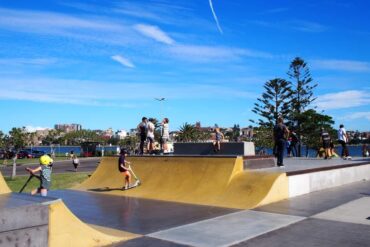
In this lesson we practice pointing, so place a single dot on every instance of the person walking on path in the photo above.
(280, 134)
(142, 129)
(150, 135)
(325, 139)
(45, 170)
(75, 160)
(165, 135)
(123, 169)
(343, 139)
(293, 143)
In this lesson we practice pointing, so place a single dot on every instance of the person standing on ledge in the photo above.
(281, 132)
(343, 139)
(142, 129)
(165, 135)
(150, 135)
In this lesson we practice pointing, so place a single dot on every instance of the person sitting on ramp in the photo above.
(123, 169)
(45, 170)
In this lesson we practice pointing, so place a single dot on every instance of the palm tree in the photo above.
(188, 133)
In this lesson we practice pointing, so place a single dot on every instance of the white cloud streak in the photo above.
(27, 61)
(358, 115)
(215, 17)
(342, 100)
(96, 93)
(64, 25)
(155, 33)
(295, 25)
(341, 65)
(123, 61)
(195, 53)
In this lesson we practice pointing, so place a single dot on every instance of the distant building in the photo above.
(68, 127)
(108, 133)
(121, 134)
(199, 127)
(133, 132)
(247, 132)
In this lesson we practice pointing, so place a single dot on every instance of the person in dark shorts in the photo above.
(343, 140)
(123, 169)
(293, 143)
(150, 135)
(280, 134)
(143, 131)
(45, 170)
(325, 139)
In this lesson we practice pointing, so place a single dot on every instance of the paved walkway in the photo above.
(333, 217)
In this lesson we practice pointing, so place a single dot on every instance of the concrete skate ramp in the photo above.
(214, 181)
(65, 229)
(3, 186)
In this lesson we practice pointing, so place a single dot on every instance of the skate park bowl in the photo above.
(211, 181)
(44, 221)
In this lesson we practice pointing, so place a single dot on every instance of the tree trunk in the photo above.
(14, 171)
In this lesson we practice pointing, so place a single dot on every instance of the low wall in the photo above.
(207, 148)
(309, 182)
(24, 225)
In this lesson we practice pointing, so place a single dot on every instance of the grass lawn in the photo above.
(58, 181)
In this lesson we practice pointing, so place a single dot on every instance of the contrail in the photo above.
(215, 17)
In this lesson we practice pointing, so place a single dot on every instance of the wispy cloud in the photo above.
(295, 25)
(155, 33)
(27, 61)
(342, 100)
(215, 17)
(57, 24)
(358, 115)
(97, 93)
(197, 53)
(341, 65)
(274, 11)
(123, 61)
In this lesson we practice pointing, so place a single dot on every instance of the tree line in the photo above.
(292, 99)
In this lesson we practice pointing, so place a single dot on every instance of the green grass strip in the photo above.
(58, 181)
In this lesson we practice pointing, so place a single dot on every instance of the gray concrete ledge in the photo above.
(207, 148)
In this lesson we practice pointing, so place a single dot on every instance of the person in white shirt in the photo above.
(343, 139)
(150, 135)
(165, 134)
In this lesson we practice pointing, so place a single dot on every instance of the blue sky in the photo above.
(102, 63)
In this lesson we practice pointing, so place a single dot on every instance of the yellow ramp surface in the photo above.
(65, 229)
(196, 180)
(3, 185)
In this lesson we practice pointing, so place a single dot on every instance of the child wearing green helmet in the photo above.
(45, 170)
